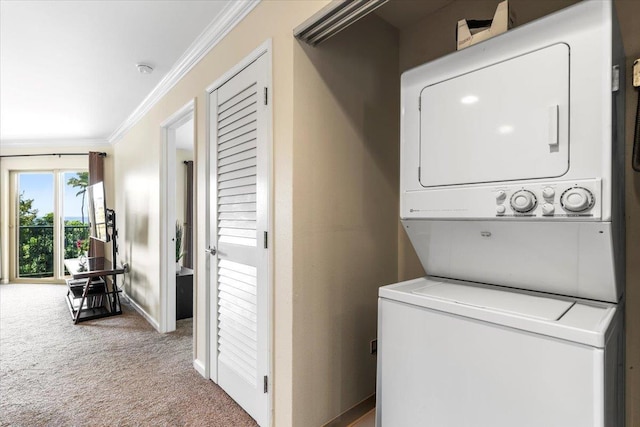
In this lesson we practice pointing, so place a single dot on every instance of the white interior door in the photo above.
(239, 205)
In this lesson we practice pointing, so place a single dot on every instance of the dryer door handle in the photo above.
(554, 113)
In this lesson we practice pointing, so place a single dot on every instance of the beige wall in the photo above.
(137, 157)
(345, 211)
(8, 165)
(433, 37)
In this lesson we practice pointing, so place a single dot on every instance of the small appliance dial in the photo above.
(577, 199)
(523, 201)
(548, 209)
(500, 209)
(500, 195)
(548, 192)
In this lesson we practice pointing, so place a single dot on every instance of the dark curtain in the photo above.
(96, 174)
(188, 217)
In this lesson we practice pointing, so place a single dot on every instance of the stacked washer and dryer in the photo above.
(512, 193)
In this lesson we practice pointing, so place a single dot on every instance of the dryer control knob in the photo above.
(548, 209)
(548, 192)
(500, 195)
(577, 199)
(500, 209)
(523, 201)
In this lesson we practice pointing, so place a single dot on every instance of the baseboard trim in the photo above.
(354, 413)
(143, 312)
(198, 365)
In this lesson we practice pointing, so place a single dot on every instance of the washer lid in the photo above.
(537, 307)
(581, 321)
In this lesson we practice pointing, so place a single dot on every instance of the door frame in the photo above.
(211, 294)
(167, 321)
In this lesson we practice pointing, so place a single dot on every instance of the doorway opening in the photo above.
(176, 217)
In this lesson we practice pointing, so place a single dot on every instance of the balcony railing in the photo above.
(35, 248)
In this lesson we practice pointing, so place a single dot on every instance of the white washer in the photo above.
(463, 354)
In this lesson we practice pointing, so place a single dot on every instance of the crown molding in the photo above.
(228, 18)
(57, 142)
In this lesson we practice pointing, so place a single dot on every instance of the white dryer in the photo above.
(512, 193)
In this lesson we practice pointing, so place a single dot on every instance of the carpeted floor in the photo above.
(116, 371)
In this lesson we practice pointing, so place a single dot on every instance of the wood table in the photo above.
(91, 295)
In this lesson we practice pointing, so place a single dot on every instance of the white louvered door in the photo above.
(239, 204)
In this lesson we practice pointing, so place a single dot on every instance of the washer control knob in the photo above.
(548, 192)
(523, 201)
(548, 209)
(500, 195)
(577, 199)
(500, 209)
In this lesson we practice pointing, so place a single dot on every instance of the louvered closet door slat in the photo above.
(241, 103)
(241, 198)
(239, 349)
(247, 346)
(228, 103)
(238, 232)
(240, 173)
(241, 155)
(239, 165)
(237, 183)
(245, 220)
(243, 320)
(238, 207)
(237, 144)
(239, 284)
(250, 225)
(237, 214)
(236, 191)
(241, 133)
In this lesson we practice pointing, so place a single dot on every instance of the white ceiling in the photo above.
(67, 68)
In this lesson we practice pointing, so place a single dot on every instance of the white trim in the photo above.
(200, 368)
(271, 237)
(168, 214)
(56, 142)
(226, 20)
(142, 311)
(244, 63)
(211, 265)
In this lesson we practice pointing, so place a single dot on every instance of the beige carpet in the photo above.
(116, 371)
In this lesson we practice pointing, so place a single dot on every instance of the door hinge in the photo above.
(266, 240)
(266, 96)
(266, 384)
(419, 104)
(419, 171)
(615, 76)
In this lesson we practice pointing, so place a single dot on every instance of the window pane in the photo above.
(75, 214)
(35, 235)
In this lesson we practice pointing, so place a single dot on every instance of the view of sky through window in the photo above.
(39, 187)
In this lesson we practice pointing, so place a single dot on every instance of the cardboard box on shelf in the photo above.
(470, 32)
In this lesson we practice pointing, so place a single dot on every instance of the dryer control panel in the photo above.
(578, 200)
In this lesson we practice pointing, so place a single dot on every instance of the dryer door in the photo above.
(507, 121)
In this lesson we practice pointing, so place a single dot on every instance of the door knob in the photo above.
(211, 250)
